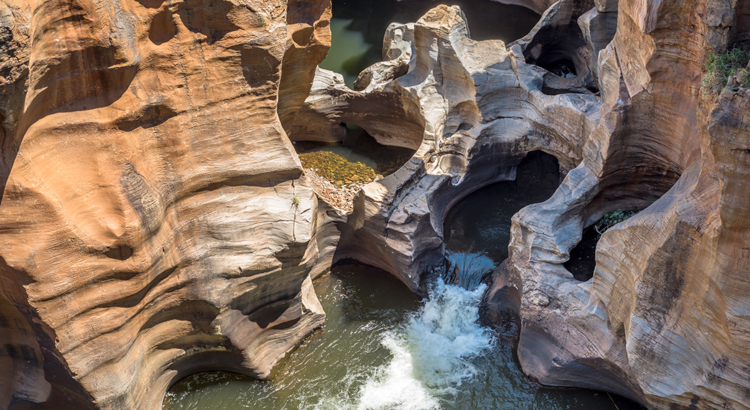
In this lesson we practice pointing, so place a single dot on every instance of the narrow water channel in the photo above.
(381, 348)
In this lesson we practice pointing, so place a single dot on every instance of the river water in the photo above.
(358, 26)
(381, 348)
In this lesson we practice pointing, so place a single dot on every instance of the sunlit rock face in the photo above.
(664, 320)
(472, 109)
(153, 221)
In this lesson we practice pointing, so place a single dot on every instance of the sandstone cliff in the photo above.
(664, 319)
(153, 219)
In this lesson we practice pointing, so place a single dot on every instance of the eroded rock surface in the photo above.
(154, 220)
(664, 319)
(476, 109)
(660, 321)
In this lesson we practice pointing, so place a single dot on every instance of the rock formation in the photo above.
(664, 320)
(153, 220)
(476, 109)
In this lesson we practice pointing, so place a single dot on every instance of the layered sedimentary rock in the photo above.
(154, 221)
(663, 320)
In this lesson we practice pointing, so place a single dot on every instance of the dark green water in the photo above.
(358, 27)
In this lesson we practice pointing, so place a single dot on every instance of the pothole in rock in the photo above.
(338, 171)
(477, 228)
(357, 27)
(582, 262)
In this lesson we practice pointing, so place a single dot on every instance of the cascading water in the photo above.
(431, 353)
(381, 348)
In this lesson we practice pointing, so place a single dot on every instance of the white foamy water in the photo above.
(432, 353)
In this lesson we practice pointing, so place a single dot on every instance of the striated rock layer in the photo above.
(472, 109)
(154, 221)
(664, 320)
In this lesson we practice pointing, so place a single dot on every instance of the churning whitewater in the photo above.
(431, 352)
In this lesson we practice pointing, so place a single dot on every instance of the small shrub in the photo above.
(611, 219)
(719, 67)
(295, 201)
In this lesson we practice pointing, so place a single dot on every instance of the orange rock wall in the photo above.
(153, 209)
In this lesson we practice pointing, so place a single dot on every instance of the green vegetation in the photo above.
(720, 67)
(295, 201)
(611, 219)
(338, 169)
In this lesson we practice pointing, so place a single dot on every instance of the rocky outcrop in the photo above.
(154, 220)
(660, 321)
(664, 319)
(478, 107)
(308, 40)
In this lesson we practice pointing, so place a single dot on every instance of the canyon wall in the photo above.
(664, 319)
(154, 220)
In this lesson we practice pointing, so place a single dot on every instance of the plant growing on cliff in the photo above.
(611, 219)
(719, 67)
(295, 201)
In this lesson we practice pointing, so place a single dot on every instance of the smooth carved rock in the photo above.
(308, 37)
(481, 108)
(598, 30)
(154, 221)
(386, 115)
(661, 320)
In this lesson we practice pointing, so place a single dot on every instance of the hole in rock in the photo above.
(562, 68)
(162, 28)
(562, 50)
(477, 228)
(121, 252)
(357, 160)
(378, 337)
(358, 26)
(302, 37)
(582, 262)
